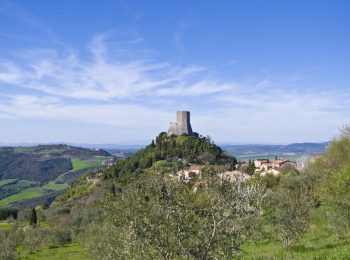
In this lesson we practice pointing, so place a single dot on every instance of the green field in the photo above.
(7, 181)
(71, 251)
(26, 194)
(79, 164)
(19, 185)
(54, 186)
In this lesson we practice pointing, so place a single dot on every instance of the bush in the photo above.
(58, 238)
(34, 239)
(8, 244)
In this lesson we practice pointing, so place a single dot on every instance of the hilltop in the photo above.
(183, 149)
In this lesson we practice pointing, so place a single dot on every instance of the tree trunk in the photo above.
(286, 240)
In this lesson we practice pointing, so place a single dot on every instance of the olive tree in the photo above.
(158, 217)
(8, 245)
(290, 212)
(334, 195)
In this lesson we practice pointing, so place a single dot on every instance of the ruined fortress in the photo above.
(182, 126)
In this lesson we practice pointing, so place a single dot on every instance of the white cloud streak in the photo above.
(99, 78)
(140, 93)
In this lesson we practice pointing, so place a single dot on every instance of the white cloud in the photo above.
(138, 96)
(102, 77)
(196, 89)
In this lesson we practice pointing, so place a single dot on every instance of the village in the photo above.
(262, 167)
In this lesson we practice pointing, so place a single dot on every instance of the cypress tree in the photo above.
(33, 218)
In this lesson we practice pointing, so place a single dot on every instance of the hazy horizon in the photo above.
(250, 72)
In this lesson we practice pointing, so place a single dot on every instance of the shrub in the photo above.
(8, 244)
(34, 239)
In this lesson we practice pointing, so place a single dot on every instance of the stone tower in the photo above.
(182, 126)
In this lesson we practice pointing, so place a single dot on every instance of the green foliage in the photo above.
(289, 212)
(158, 218)
(250, 169)
(317, 243)
(334, 194)
(338, 153)
(34, 239)
(78, 189)
(269, 180)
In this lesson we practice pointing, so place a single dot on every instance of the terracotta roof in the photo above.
(280, 161)
(196, 167)
(267, 164)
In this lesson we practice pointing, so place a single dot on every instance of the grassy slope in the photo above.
(52, 185)
(68, 251)
(80, 164)
(317, 243)
(26, 194)
(19, 185)
(71, 251)
(7, 181)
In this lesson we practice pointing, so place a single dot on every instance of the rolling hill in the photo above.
(29, 175)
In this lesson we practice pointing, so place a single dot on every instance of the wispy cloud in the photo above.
(113, 86)
(99, 77)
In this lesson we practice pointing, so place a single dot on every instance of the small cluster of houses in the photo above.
(262, 167)
(194, 172)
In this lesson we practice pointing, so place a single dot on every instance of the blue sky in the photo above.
(116, 71)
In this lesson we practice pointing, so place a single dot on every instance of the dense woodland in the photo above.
(155, 216)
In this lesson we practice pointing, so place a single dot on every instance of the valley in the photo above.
(32, 175)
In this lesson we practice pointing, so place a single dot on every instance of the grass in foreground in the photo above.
(5, 226)
(72, 251)
(318, 243)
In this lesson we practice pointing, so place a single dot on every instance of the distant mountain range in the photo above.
(99, 146)
(292, 151)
